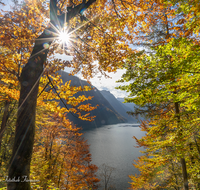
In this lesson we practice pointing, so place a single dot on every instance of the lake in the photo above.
(113, 145)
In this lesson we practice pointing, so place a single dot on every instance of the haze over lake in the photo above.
(114, 146)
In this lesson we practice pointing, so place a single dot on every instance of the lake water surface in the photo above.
(113, 145)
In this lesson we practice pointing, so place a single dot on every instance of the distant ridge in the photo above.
(120, 107)
(130, 107)
(105, 113)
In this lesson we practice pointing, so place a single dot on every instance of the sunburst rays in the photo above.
(65, 37)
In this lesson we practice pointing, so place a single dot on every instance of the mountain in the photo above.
(130, 107)
(118, 106)
(105, 113)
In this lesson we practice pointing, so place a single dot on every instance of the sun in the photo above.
(64, 37)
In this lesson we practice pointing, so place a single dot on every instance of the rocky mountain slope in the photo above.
(105, 113)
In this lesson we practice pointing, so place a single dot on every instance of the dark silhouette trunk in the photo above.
(19, 169)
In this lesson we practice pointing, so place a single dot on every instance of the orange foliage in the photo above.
(61, 158)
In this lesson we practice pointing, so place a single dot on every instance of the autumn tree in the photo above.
(61, 157)
(29, 81)
(167, 92)
(18, 44)
(191, 19)
(9, 95)
(159, 23)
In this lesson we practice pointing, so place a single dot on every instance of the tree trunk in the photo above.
(183, 163)
(184, 170)
(19, 168)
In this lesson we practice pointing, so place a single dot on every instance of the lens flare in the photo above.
(64, 37)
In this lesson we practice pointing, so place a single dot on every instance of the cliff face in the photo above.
(105, 113)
